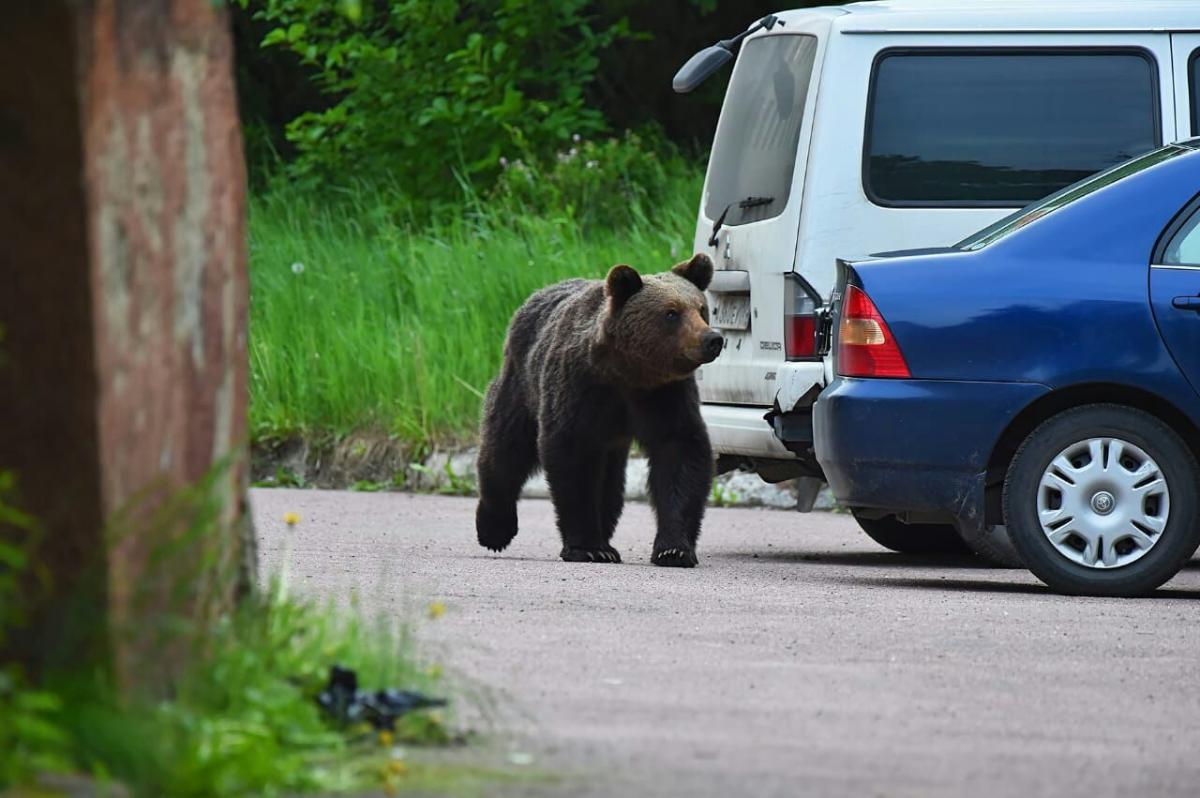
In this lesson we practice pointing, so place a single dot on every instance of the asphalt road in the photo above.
(798, 659)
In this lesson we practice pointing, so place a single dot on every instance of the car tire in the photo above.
(992, 544)
(892, 533)
(1070, 485)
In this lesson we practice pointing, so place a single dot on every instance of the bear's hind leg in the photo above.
(507, 456)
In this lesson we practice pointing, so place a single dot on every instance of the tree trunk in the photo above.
(124, 375)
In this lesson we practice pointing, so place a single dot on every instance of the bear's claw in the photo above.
(675, 558)
(604, 554)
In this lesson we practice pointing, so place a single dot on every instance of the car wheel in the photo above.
(892, 533)
(992, 544)
(1101, 500)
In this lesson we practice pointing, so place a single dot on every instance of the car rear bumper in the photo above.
(919, 446)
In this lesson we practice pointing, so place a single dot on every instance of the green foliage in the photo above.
(722, 496)
(607, 183)
(434, 92)
(243, 720)
(30, 738)
(449, 482)
(284, 478)
(17, 573)
(360, 321)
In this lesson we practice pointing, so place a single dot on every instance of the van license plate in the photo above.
(732, 312)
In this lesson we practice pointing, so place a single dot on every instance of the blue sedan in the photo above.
(1043, 375)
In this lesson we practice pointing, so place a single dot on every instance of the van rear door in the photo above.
(753, 189)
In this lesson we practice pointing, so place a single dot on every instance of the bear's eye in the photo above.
(672, 315)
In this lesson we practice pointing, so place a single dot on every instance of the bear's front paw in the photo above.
(601, 554)
(677, 557)
(496, 528)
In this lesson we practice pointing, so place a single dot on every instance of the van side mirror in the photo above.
(700, 67)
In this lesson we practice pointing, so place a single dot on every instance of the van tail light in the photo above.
(866, 347)
(799, 319)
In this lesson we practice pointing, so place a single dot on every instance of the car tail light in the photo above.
(866, 347)
(799, 319)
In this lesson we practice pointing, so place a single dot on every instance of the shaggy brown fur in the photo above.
(589, 366)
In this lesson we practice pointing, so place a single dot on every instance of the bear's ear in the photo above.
(623, 282)
(698, 271)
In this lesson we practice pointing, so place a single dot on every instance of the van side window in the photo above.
(995, 128)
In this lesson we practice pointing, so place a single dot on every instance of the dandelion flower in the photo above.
(291, 519)
(385, 739)
(297, 267)
(436, 610)
(397, 767)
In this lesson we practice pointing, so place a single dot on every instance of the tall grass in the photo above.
(362, 319)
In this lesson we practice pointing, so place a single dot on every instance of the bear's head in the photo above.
(655, 328)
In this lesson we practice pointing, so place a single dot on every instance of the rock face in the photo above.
(351, 464)
(735, 489)
(123, 206)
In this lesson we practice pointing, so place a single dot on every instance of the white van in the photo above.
(895, 125)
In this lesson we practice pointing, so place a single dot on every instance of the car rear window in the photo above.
(1011, 224)
(754, 151)
(1184, 247)
(993, 128)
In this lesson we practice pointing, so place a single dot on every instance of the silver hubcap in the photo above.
(1103, 503)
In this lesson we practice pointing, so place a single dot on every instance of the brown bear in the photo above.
(590, 366)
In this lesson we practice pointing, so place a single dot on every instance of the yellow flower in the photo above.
(385, 739)
(436, 610)
(397, 767)
(291, 519)
(435, 671)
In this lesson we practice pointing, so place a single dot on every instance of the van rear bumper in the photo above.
(742, 430)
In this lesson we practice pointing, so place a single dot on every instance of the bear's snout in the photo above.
(711, 344)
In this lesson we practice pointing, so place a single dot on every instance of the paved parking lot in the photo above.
(798, 659)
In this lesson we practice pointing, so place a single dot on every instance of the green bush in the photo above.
(611, 183)
(432, 93)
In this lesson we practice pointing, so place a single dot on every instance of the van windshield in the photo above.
(754, 151)
(1031, 213)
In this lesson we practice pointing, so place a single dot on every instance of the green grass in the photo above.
(241, 721)
(397, 328)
